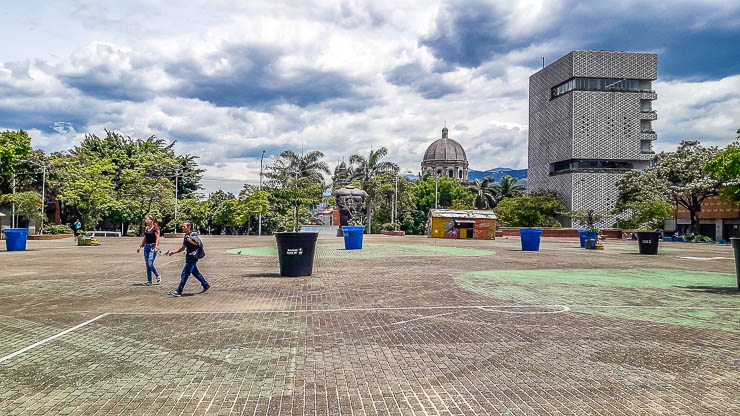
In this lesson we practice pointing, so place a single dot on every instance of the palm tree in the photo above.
(291, 165)
(486, 194)
(508, 188)
(367, 169)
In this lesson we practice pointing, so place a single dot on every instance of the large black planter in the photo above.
(736, 248)
(295, 253)
(648, 242)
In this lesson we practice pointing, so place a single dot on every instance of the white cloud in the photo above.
(227, 79)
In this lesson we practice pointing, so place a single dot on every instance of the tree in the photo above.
(725, 166)
(27, 204)
(649, 214)
(290, 166)
(450, 194)
(195, 210)
(508, 188)
(486, 193)
(678, 177)
(14, 147)
(366, 169)
(384, 190)
(88, 187)
(141, 193)
(252, 202)
(534, 210)
(299, 192)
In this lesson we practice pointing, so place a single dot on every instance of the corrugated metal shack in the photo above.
(447, 223)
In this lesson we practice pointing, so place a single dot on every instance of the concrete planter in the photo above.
(50, 236)
(397, 233)
(174, 235)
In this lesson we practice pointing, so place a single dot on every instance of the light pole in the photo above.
(43, 192)
(436, 177)
(395, 204)
(259, 220)
(12, 222)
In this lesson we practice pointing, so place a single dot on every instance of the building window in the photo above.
(450, 173)
(597, 84)
(589, 165)
(459, 174)
(439, 172)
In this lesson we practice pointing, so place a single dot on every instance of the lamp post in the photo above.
(43, 191)
(259, 220)
(436, 177)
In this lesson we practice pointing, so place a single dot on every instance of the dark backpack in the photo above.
(201, 251)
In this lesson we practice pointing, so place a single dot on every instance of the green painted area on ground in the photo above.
(371, 250)
(654, 295)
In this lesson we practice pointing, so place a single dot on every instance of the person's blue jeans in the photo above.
(191, 267)
(149, 255)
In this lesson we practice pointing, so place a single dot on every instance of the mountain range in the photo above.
(497, 173)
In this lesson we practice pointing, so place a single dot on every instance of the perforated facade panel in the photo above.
(585, 124)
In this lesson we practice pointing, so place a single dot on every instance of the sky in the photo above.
(228, 79)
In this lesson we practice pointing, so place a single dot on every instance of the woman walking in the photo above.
(150, 243)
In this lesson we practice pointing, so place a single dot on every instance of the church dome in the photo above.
(445, 157)
(445, 149)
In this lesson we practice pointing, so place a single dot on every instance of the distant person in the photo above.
(193, 247)
(150, 243)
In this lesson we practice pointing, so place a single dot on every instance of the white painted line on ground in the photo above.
(563, 309)
(44, 341)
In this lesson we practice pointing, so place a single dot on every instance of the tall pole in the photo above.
(436, 177)
(395, 205)
(13, 215)
(259, 220)
(43, 200)
(177, 174)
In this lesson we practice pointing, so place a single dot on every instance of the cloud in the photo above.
(232, 79)
(424, 82)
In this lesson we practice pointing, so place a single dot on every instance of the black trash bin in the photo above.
(648, 242)
(736, 248)
(295, 253)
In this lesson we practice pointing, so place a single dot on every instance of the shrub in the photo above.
(701, 239)
(57, 229)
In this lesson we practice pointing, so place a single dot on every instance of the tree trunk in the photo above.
(369, 215)
(694, 227)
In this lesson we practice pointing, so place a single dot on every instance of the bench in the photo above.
(103, 233)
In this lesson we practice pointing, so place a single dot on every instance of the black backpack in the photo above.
(201, 251)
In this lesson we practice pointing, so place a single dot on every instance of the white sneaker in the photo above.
(159, 279)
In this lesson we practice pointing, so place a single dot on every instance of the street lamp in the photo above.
(43, 191)
(259, 221)
(436, 178)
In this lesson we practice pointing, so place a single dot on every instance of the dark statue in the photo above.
(349, 202)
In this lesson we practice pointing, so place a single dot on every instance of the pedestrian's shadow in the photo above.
(258, 275)
(725, 290)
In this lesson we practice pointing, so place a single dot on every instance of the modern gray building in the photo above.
(590, 116)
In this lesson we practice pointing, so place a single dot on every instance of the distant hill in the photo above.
(497, 173)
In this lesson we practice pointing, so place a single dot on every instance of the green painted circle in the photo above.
(371, 250)
(655, 295)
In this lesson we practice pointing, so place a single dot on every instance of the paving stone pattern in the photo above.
(366, 335)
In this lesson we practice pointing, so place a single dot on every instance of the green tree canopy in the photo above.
(535, 210)
(14, 147)
(677, 177)
(88, 187)
(725, 166)
(485, 191)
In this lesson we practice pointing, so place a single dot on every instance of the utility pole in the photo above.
(436, 177)
(395, 205)
(43, 200)
(12, 225)
(259, 221)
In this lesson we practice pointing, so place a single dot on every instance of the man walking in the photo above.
(193, 251)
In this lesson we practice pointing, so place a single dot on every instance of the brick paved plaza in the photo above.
(407, 326)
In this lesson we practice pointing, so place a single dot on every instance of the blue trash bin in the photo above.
(530, 238)
(15, 239)
(353, 237)
(586, 235)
